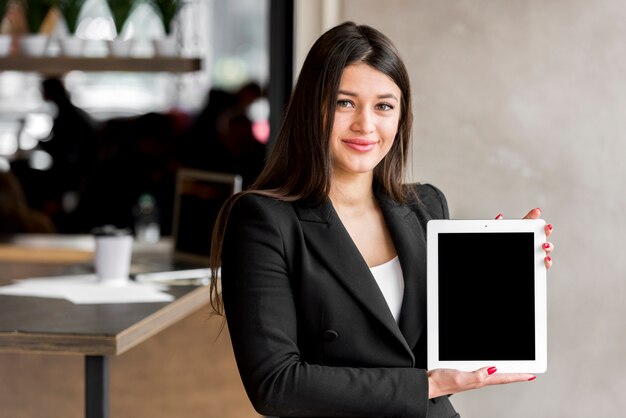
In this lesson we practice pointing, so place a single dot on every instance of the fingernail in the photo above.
(548, 258)
(546, 245)
(539, 209)
(550, 227)
(491, 370)
(499, 216)
(532, 378)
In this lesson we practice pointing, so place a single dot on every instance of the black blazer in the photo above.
(312, 333)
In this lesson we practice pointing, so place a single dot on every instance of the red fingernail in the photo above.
(532, 378)
(491, 370)
(548, 258)
(550, 227)
(499, 216)
(546, 245)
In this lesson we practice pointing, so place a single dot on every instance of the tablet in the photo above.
(486, 295)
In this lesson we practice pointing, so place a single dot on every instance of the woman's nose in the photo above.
(363, 121)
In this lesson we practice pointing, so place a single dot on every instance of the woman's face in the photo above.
(366, 120)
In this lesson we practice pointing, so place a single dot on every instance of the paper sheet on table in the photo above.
(84, 289)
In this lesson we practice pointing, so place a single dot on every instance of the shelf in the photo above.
(54, 66)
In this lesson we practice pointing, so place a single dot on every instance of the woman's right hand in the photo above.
(448, 381)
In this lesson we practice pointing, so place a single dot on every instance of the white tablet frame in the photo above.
(537, 227)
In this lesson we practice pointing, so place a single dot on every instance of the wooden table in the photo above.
(57, 326)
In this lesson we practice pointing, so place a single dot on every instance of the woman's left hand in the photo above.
(547, 246)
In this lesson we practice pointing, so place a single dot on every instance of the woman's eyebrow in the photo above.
(380, 96)
(347, 93)
(388, 96)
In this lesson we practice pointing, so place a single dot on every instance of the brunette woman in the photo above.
(323, 259)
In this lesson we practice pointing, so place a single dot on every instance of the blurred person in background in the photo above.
(71, 144)
(222, 137)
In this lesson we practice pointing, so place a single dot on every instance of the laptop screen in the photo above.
(199, 196)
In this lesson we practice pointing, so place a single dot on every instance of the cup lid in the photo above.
(110, 231)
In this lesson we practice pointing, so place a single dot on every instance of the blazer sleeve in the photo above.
(262, 316)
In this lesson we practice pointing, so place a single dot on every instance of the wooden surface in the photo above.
(184, 370)
(46, 325)
(54, 66)
(12, 253)
(43, 325)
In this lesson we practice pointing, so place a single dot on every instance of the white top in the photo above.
(391, 282)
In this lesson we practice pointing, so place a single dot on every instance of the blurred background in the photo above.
(89, 147)
(516, 105)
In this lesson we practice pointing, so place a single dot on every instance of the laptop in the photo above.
(198, 197)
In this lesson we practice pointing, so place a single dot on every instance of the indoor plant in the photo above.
(70, 10)
(120, 11)
(35, 12)
(167, 11)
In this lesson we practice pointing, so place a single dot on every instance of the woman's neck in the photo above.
(351, 191)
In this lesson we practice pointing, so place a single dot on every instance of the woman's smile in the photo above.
(359, 144)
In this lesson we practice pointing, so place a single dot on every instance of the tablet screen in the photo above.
(486, 296)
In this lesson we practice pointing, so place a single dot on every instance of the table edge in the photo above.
(62, 343)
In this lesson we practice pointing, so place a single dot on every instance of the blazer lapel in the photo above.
(410, 242)
(328, 238)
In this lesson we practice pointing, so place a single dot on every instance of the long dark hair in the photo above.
(299, 167)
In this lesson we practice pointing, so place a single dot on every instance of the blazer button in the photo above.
(330, 335)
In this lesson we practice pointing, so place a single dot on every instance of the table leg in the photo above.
(96, 386)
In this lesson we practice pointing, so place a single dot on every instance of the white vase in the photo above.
(71, 46)
(5, 44)
(165, 47)
(120, 47)
(33, 44)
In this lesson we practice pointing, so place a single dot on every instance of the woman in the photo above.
(323, 261)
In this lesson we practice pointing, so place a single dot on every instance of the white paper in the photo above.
(167, 276)
(85, 289)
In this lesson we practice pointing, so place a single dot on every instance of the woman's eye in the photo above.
(384, 106)
(344, 103)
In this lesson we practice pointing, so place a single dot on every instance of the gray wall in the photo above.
(521, 104)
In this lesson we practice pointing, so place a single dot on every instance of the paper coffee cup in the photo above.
(113, 253)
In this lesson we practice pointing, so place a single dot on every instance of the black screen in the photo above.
(486, 296)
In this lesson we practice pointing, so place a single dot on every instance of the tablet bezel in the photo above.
(537, 227)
